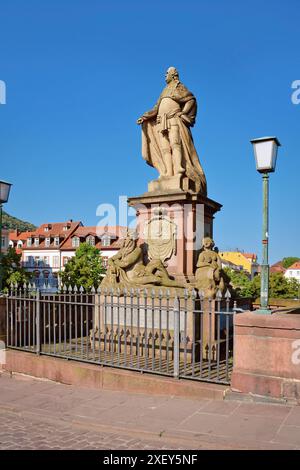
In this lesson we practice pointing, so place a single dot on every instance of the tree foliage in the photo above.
(84, 269)
(12, 270)
(280, 287)
(287, 262)
(12, 223)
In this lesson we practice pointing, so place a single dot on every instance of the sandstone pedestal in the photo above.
(192, 214)
(267, 355)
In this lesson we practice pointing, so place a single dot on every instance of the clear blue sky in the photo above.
(79, 73)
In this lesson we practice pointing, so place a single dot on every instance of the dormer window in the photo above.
(36, 242)
(47, 228)
(66, 227)
(75, 242)
(56, 241)
(47, 241)
(106, 240)
(29, 241)
(90, 240)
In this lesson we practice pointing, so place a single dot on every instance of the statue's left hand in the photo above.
(140, 120)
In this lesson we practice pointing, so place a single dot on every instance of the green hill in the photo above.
(12, 223)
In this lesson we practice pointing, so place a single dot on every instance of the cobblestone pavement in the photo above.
(38, 414)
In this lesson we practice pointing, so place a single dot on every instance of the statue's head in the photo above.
(171, 74)
(208, 243)
(130, 239)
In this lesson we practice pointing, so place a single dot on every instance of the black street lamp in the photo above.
(4, 195)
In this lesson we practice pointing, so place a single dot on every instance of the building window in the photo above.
(29, 241)
(36, 241)
(75, 242)
(3, 242)
(65, 260)
(55, 261)
(56, 241)
(46, 229)
(90, 240)
(19, 244)
(47, 241)
(105, 241)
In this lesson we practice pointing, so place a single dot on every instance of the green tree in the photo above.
(241, 283)
(279, 288)
(84, 269)
(294, 289)
(287, 262)
(13, 272)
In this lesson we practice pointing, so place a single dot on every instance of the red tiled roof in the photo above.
(295, 265)
(21, 236)
(252, 256)
(277, 268)
(116, 234)
(55, 230)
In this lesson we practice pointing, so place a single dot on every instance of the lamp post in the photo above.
(265, 152)
(4, 194)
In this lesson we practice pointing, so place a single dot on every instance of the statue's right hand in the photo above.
(140, 120)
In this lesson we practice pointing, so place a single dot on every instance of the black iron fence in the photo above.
(152, 331)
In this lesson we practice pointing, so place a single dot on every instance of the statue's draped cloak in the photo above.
(150, 139)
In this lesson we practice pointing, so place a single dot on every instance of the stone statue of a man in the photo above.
(167, 143)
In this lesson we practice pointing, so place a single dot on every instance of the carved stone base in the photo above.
(171, 183)
(193, 215)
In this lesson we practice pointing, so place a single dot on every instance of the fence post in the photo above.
(176, 310)
(38, 322)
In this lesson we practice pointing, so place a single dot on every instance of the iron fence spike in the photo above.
(227, 294)
(219, 295)
(201, 295)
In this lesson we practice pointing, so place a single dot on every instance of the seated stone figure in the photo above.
(126, 268)
(209, 274)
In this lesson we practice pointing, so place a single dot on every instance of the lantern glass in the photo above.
(4, 191)
(265, 151)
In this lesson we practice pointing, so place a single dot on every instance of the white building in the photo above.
(293, 272)
(46, 251)
(41, 251)
(106, 239)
